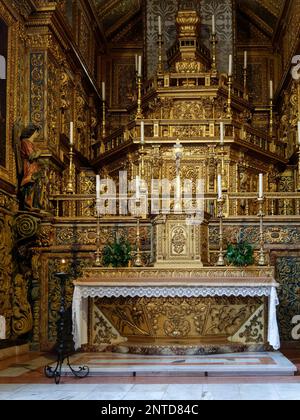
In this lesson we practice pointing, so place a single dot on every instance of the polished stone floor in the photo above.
(22, 378)
(152, 392)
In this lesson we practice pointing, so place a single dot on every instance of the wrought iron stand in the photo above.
(63, 353)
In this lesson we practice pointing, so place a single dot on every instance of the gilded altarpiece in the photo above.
(223, 10)
(14, 69)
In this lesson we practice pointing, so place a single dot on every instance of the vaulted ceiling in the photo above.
(262, 13)
(115, 13)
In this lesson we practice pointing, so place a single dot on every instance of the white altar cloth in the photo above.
(83, 291)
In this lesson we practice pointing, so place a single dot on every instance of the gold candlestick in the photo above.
(245, 83)
(138, 257)
(160, 69)
(221, 262)
(262, 259)
(229, 110)
(139, 114)
(98, 262)
(103, 119)
(70, 185)
(223, 173)
(299, 167)
(271, 117)
(214, 42)
(142, 153)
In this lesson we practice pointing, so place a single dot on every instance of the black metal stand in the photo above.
(63, 353)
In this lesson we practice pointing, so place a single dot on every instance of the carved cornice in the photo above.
(209, 276)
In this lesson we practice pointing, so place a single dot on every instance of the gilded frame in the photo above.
(8, 173)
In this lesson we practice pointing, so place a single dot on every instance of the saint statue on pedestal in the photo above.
(31, 183)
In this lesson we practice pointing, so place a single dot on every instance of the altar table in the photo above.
(178, 283)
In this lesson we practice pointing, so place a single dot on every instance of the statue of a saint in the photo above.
(31, 185)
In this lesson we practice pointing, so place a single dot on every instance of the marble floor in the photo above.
(248, 364)
(152, 392)
(22, 378)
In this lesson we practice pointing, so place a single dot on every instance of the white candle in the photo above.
(230, 65)
(245, 59)
(222, 134)
(220, 192)
(103, 92)
(136, 63)
(271, 89)
(137, 188)
(299, 133)
(140, 66)
(98, 187)
(261, 185)
(213, 25)
(72, 133)
(159, 26)
(142, 132)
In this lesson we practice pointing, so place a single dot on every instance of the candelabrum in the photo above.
(178, 149)
(262, 258)
(64, 339)
(98, 251)
(70, 184)
(160, 43)
(138, 257)
(245, 83)
(142, 153)
(214, 42)
(103, 119)
(139, 114)
(229, 110)
(221, 262)
(271, 117)
(223, 172)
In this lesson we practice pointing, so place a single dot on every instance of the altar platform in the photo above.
(181, 311)
(229, 365)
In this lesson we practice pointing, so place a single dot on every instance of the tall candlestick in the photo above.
(230, 65)
(98, 187)
(103, 92)
(178, 186)
(271, 89)
(137, 188)
(71, 133)
(159, 26)
(222, 135)
(220, 191)
(261, 186)
(245, 60)
(142, 133)
(213, 24)
(140, 66)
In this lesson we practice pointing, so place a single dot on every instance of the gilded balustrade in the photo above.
(239, 205)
